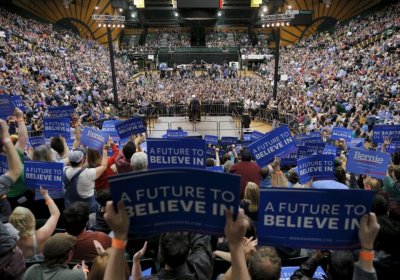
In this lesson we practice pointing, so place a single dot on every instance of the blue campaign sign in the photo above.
(61, 111)
(130, 127)
(228, 140)
(6, 106)
(175, 133)
(329, 150)
(37, 141)
(289, 159)
(380, 132)
(17, 100)
(3, 164)
(255, 135)
(287, 272)
(46, 174)
(372, 163)
(94, 138)
(180, 199)
(210, 153)
(183, 152)
(211, 139)
(391, 148)
(278, 142)
(341, 132)
(356, 143)
(109, 127)
(54, 127)
(219, 169)
(70, 143)
(310, 149)
(312, 218)
(317, 167)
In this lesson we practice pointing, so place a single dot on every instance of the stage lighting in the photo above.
(265, 9)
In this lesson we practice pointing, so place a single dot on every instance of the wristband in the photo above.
(49, 201)
(6, 140)
(367, 249)
(366, 256)
(118, 244)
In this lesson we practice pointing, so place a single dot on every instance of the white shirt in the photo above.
(86, 180)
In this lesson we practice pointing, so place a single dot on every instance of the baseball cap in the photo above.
(76, 156)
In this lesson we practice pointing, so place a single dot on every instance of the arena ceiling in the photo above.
(161, 13)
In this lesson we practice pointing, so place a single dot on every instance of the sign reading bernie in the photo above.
(380, 132)
(45, 174)
(61, 111)
(317, 167)
(176, 200)
(372, 163)
(94, 138)
(312, 218)
(176, 153)
(276, 143)
(54, 127)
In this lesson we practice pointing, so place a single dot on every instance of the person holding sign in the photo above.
(79, 182)
(30, 240)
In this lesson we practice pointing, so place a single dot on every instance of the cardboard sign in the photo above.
(175, 133)
(130, 127)
(278, 142)
(317, 167)
(109, 127)
(164, 153)
(211, 139)
(380, 132)
(46, 174)
(94, 138)
(312, 218)
(37, 141)
(6, 106)
(372, 163)
(310, 149)
(341, 132)
(61, 111)
(54, 127)
(329, 150)
(176, 200)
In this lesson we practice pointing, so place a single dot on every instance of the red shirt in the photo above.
(84, 248)
(249, 171)
(101, 183)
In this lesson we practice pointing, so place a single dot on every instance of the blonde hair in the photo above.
(24, 221)
(252, 193)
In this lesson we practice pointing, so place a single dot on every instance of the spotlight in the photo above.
(287, 23)
(289, 7)
(109, 25)
(273, 24)
(278, 24)
(122, 26)
(96, 8)
(268, 25)
(133, 15)
(176, 14)
(219, 13)
(265, 9)
(119, 25)
(263, 26)
(99, 24)
(121, 10)
(104, 25)
(262, 14)
(113, 25)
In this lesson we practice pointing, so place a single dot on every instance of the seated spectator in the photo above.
(98, 267)
(265, 178)
(76, 217)
(31, 240)
(96, 220)
(57, 252)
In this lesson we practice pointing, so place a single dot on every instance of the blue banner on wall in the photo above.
(175, 133)
(380, 132)
(45, 174)
(228, 140)
(17, 100)
(341, 132)
(3, 165)
(372, 163)
(61, 111)
(164, 153)
(312, 218)
(54, 127)
(278, 142)
(391, 148)
(318, 167)
(176, 200)
(6, 106)
(211, 139)
(37, 141)
(109, 127)
(94, 138)
(310, 149)
(130, 127)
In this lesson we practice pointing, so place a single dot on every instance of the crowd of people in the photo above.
(326, 85)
